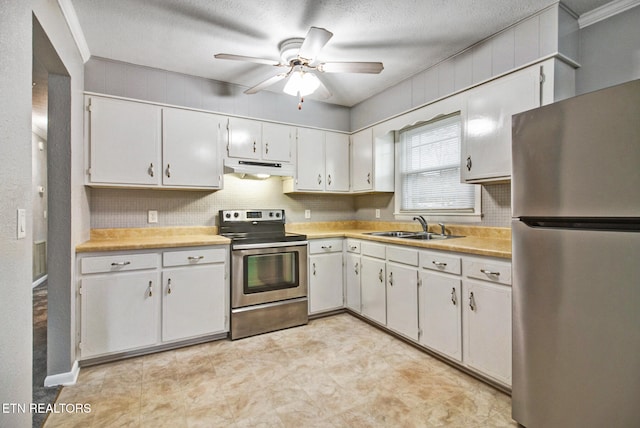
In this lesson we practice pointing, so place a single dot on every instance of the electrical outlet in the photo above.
(307, 213)
(377, 213)
(153, 216)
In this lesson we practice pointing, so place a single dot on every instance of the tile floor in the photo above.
(334, 372)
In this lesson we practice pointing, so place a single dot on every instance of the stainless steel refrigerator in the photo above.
(576, 261)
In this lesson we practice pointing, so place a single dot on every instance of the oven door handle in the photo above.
(269, 245)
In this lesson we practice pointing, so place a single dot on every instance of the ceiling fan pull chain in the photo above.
(300, 103)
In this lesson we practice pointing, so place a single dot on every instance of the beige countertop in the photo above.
(150, 237)
(486, 241)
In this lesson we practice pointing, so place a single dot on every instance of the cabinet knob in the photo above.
(469, 163)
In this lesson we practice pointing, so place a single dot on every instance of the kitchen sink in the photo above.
(392, 234)
(413, 235)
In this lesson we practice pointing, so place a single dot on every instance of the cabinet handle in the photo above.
(314, 269)
(120, 263)
(150, 288)
(391, 279)
(353, 247)
(266, 148)
(326, 247)
(454, 299)
(150, 170)
(356, 268)
(168, 171)
(469, 163)
(329, 180)
(195, 258)
(380, 276)
(369, 178)
(319, 179)
(439, 264)
(472, 301)
(169, 286)
(254, 147)
(490, 273)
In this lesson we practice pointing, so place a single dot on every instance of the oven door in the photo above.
(270, 272)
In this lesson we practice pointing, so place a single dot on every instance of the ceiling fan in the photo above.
(299, 56)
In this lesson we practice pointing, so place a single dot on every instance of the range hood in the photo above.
(256, 168)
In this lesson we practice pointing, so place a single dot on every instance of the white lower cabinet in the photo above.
(373, 282)
(402, 300)
(352, 268)
(326, 291)
(487, 329)
(132, 301)
(119, 312)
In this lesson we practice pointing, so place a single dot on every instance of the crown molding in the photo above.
(71, 18)
(606, 11)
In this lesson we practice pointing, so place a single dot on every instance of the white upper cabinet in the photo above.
(256, 140)
(372, 158)
(322, 162)
(134, 144)
(124, 142)
(190, 151)
(486, 146)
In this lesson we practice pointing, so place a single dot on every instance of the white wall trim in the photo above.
(606, 11)
(64, 379)
(73, 23)
(39, 281)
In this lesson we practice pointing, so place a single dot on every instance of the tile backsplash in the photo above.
(113, 208)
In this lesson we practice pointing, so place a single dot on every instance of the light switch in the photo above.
(307, 213)
(22, 223)
(377, 213)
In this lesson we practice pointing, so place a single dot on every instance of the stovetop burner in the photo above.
(256, 226)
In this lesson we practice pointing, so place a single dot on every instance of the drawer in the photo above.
(353, 246)
(373, 250)
(493, 271)
(403, 255)
(119, 263)
(440, 262)
(194, 257)
(321, 246)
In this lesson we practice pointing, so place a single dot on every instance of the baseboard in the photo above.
(64, 379)
(39, 281)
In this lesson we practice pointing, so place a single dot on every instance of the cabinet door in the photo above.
(310, 165)
(402, 300)
(193, 302)
(336, 162)
(373, 289)
(362, 160)
(352, 277)
(325, 282)
(119, 312)
(486, 153)
(244, 138)
(441, 314)
(487, 329)
(190, 148)
(276, 142)
(124, 142)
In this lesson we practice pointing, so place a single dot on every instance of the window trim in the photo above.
(471, 216)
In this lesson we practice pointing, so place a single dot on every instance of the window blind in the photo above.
(430, 168)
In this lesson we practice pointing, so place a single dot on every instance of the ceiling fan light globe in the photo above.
(301, 84)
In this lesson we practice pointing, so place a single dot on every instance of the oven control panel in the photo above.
(251, 215)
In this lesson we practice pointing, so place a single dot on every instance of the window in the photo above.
(429, 171)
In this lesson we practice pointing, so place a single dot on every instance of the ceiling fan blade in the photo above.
(351, 67)
(314, 41)
(247, 59)
(270, 81)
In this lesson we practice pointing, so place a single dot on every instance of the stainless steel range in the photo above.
(268, 272)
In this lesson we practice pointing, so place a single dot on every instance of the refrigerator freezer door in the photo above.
(579, 157)
(576, 327)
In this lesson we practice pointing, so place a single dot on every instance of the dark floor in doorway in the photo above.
(40, 393)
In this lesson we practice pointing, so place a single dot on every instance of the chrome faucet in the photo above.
(423, 223)
(442, 230)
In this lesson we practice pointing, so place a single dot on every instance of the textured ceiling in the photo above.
(406, 35)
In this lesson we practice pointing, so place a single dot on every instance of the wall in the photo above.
(609, 52)
(150, 84)
(15, 176)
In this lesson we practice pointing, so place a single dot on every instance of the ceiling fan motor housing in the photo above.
(289, 50)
